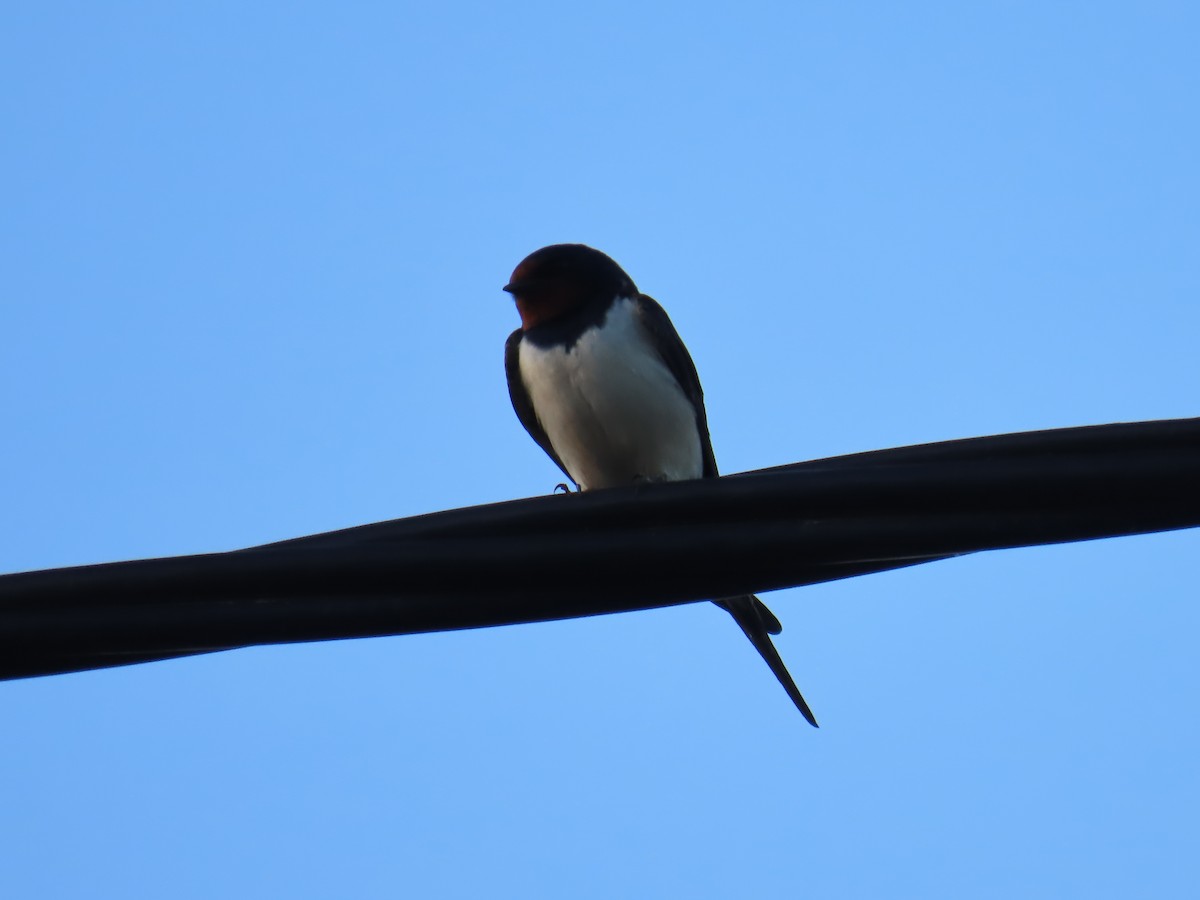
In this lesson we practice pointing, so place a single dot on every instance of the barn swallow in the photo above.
(600, 379)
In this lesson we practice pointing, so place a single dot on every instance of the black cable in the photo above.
(561, 556)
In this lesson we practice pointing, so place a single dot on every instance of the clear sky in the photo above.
(251, 263)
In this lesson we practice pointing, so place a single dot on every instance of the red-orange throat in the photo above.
(545, 306)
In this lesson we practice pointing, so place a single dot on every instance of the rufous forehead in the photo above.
(533, 265)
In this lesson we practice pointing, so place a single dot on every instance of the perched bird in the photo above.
(600, 379)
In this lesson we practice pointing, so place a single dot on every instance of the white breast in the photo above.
(612, 410)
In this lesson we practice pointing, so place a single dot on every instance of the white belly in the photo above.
(612, 410)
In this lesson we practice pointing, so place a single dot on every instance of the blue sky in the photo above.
(252, 261)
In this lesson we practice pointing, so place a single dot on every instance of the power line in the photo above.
(562, 556)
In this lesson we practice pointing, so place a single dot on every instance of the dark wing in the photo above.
(749, 612)
(679, 362)
(521, 402)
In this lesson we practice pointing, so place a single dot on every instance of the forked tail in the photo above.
(759, 623)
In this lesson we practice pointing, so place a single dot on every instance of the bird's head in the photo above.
(558, 280)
